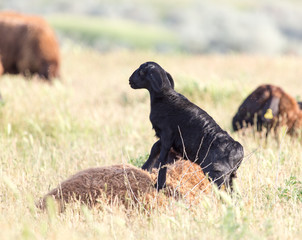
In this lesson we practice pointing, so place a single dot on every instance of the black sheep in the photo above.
(186, 129)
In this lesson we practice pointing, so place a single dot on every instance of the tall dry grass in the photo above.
(93, 118)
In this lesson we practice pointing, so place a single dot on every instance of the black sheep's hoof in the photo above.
(146, 169)
(159, 187)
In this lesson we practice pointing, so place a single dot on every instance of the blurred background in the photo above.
(271, 27)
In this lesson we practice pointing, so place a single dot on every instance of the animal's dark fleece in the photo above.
(255, 106)
(184, 128)
(270, 107)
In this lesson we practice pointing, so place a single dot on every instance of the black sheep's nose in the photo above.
(131, 83)
(132, 76)
(130, 79)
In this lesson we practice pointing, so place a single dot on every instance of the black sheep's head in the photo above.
(151, 76)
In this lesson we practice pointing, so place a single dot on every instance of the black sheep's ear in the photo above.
(170, 79)
(156, 81)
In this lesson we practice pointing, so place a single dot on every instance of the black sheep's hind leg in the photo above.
(155, 151)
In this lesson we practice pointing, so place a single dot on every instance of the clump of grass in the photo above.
(139, 161)
(212, 92)
(292, 190)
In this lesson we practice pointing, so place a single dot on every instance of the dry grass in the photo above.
(93, 118)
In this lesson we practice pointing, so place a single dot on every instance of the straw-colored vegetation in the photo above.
(93, 118)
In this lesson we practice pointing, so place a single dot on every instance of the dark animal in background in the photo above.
(28, 45)
(184, 127)
(270, 107)
(300, 104)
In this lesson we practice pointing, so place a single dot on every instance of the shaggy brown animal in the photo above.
(271, 107)
(130, 185)
(1, 67)
(28, 45)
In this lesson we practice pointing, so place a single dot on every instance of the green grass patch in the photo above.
(114, 32)
(212, 92)
(292, 190)
(139, 161)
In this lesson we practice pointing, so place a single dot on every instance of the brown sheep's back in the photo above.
(289, 111)
(28, 45)
(127, 184)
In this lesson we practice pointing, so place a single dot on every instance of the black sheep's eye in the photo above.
(141, 73)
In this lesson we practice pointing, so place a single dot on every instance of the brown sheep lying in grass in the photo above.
(28, 45)
(130, 185)
(271, 107)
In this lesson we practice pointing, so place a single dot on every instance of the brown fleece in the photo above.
(289, 110)
(1, 67)
(28, 45)
(130, 185)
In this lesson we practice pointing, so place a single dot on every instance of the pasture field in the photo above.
(93, 118)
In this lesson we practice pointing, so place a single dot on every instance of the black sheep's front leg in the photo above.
(163, 158)
(155, 150)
